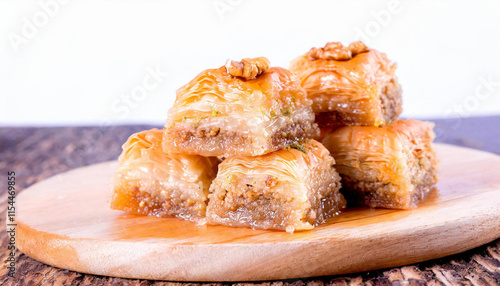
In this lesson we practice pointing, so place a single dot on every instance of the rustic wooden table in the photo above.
(37, 153)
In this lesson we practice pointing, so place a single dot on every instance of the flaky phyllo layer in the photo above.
(215, 93)
(358, 90)
(151, 182)
(394, 163)
(291, 189)
(217, 114)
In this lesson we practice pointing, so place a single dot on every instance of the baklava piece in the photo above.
(291, 189)
(151, 182)
(391, 167)
(350, 85)
(244, 108)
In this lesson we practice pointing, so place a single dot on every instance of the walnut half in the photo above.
(248, 68)
(338, 52)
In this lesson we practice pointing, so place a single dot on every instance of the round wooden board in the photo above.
(65, 221)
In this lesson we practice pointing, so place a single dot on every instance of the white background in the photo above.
(84, 62)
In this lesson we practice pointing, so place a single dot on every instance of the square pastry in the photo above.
(243, 108)
(350, 85)
(151, 182)
(392, 166)
(291, 189)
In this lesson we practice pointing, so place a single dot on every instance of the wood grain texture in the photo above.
(38, 153)
(65, 221)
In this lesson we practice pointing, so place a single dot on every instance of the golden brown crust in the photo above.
(217, 114)
(291, 189)
(392, 166)
(248, 68)
(360, 91)
(151, 182)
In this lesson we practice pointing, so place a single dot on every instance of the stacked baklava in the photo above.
(383, 161)
(241, 145)
(259, 121)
